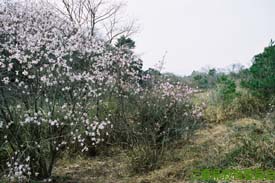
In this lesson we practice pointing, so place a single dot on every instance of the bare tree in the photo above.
(99, 15)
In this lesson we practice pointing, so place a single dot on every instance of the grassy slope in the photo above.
(213, 146)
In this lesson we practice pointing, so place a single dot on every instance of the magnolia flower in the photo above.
(43, 79)
(25, 73)
(6, 80)
(10, 66)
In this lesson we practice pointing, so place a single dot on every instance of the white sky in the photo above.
(198, 33)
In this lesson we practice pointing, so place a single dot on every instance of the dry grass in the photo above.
(247, 122)
(208, 147)
(99, 169)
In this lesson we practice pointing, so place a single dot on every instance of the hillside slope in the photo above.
(218, 145)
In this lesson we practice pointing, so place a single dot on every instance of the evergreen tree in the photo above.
(261, 75)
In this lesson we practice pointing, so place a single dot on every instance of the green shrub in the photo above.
(246, 105)
(226, 103)
(261, 75)
(226, 90)
(254, 149)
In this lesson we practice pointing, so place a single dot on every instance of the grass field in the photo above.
(213, 146)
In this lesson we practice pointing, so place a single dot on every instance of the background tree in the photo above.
(102, 15)
(261, 75)
(226, 89)
(123, 41)
(206, 79)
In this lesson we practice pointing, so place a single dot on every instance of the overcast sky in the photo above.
(198, 33)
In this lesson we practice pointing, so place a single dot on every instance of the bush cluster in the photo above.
(63, 89)
(226, 102)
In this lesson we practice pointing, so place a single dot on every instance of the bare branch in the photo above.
(98, 15)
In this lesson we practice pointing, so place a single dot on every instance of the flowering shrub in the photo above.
(52, 75)
(164, 114)
(169, 109)
(62, 87)
(153, 119)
